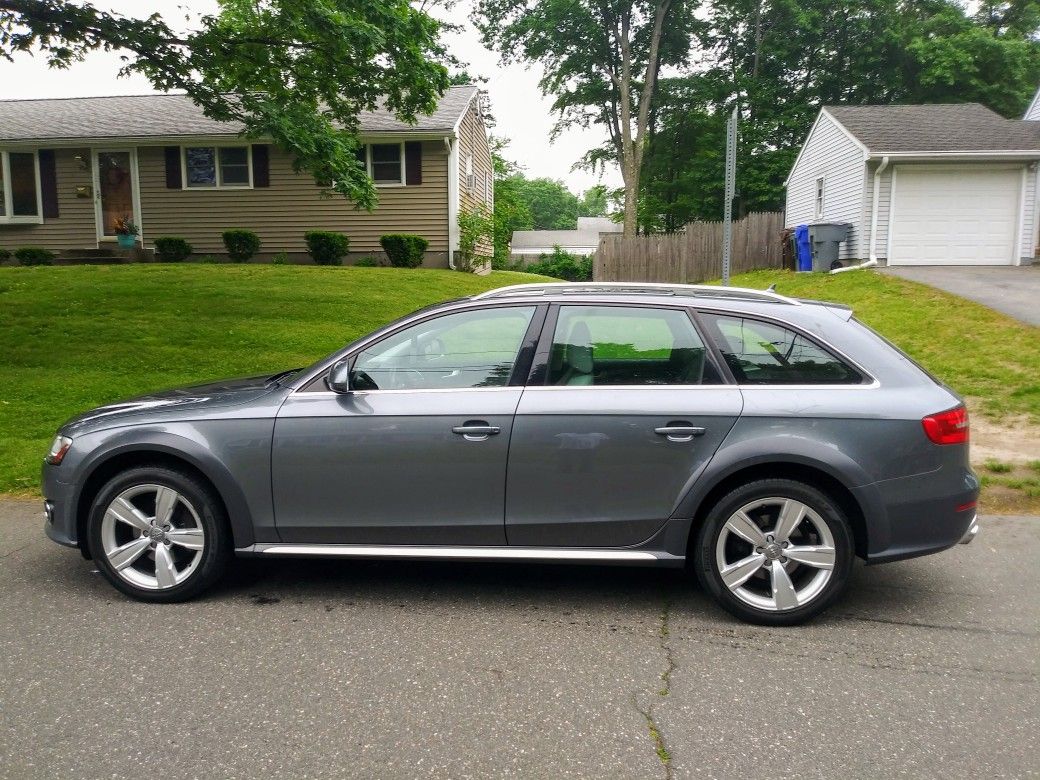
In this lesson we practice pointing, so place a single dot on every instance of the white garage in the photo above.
(922, 185)
(954, 215)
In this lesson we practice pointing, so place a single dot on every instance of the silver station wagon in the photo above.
(762, 440)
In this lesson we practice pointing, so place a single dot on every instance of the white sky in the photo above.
(521, 112)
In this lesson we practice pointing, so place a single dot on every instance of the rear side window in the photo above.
(618, 345)
(763, 353)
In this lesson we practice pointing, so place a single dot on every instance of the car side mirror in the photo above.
(338, 379)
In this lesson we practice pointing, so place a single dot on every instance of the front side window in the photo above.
(615, 345)
(387, 162)
(19, 187)
(469, 349)
(216, 166)
(763, 353)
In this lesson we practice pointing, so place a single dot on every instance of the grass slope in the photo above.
(75, 337)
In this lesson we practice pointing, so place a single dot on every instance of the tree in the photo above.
(600, 59)
(296, 71)
(593, 202)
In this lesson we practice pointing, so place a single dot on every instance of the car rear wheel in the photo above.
(158, 534)
(775, 552)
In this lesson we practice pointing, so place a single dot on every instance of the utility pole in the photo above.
(731, 177)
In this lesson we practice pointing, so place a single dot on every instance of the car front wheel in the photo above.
(775, 552)
(158, 534)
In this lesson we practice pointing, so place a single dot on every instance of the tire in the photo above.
(171, 560)
(790, 569)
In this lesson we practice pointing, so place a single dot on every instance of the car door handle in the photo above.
(473, 431)
(679, 432)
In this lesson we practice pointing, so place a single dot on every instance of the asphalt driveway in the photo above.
(329, 669)
(1014, 291)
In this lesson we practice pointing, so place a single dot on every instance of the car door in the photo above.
(416, 452)
(625, 407)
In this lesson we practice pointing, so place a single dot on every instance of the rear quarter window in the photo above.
(765, 353)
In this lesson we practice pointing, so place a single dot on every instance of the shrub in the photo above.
(241, 245)
(368, 262)
(171, 249)
(209, 259)
(34, 255)
(5, 255)
(475, 226)
(563, 265)
(326, 247)
(404, 250)
(282, 258)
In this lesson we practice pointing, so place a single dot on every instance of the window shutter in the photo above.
(48, 184)
(261, 166)
(173, 167)
(413, 162)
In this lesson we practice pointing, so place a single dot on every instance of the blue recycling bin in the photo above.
(803, 248)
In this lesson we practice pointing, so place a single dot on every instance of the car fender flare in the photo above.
(185, 449)
(787, 450)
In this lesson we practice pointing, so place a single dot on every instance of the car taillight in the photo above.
(949, 427)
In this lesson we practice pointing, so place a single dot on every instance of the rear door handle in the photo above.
(476, 430)
(677, 432)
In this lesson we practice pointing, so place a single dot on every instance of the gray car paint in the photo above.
(868, 437)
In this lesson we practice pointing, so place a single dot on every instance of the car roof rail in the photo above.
(635, 288)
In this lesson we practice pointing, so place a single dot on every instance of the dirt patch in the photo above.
(1014, 440)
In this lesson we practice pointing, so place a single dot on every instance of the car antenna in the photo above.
(771, 288)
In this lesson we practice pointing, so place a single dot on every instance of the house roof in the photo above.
(173, 115)
(587, 235)
(957, 127)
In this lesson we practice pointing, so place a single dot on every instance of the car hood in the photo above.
(193, 399)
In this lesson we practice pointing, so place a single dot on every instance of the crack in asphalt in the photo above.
(656, 735)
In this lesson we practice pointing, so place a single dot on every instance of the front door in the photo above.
(631, 410)
(416, 452)
(115, 190)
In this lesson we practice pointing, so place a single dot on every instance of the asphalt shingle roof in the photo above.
(159, 115)
(956, 127)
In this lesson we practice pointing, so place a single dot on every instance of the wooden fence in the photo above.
(692, 256)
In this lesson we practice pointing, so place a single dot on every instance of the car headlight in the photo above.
(59, 447)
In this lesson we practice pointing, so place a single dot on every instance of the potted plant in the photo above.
(126, 232)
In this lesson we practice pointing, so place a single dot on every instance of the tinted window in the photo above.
(463, 350)
(614, 345)
(23, 184)
(761, 353)
(386, 163)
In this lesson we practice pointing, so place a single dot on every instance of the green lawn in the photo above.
(76, 337)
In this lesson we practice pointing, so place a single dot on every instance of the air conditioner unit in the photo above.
(471, 181)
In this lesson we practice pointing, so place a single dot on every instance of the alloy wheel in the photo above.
(775, 554)
(152, 536)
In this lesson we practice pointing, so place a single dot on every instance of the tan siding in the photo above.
(74, 227)
(282, 213)
(473, 140)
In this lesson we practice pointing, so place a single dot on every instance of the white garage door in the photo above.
(954, 216)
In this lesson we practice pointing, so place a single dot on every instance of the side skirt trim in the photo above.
(471, 553)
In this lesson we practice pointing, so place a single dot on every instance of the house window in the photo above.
(19, 187)
(471, 182)
(819, 198)
(386, 163)
(211, 167)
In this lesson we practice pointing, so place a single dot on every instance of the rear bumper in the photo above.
(972, 532)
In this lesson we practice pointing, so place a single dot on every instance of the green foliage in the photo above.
(296, 71)
(209, 259)
(476, 227)
(5, 255)
(34, 255)
(368, 262)
(593, 202)
(281, 258)
(563, 265)
(172, 249)
(996, 466)
(240, 244)
(404, 250)
(327, 247)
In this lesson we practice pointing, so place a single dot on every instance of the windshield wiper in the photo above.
(275, 379)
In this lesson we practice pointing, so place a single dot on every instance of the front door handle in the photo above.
(476, 430)
(679, 431)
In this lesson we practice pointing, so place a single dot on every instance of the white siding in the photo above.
(829, 153)
(884, 201)
(1029, 218)
(1033, 112)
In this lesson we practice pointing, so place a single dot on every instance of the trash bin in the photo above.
(825, 237)
(803, 248)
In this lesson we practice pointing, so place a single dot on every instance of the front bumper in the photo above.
(59, 509)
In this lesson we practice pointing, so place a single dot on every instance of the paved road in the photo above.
(327, 669)
(1015, 291)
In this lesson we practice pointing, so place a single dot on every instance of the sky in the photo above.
(521, 112)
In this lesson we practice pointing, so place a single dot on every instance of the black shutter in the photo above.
(261, 166)
(413, 162)
(48, 184)
(173, 167)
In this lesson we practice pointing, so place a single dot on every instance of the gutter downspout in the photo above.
(874, 210)
(452, 145)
